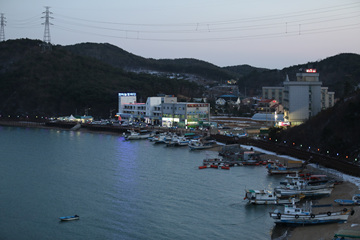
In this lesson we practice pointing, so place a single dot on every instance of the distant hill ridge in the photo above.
(340, 73)
(70, 79)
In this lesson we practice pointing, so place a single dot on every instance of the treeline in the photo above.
(340, 73)
(33, 82)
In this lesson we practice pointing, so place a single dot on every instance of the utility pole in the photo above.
(2, 31)
(47, 40)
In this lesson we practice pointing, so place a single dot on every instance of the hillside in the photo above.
(332, 131)
(73, 78)
(56, 83)
(119, 58)
(341, 73)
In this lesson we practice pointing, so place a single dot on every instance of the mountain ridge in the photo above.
(72, 78)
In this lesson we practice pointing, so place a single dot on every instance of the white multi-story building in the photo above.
(302, 98)
(125, 98)
(153, 107)
(185, 114)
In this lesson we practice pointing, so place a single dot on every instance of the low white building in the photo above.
(185, 114)
(153, 107)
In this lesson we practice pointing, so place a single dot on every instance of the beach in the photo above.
(344, 190)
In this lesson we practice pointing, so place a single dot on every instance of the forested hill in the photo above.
(70, 79)
(331, 132)
(340, 73)
(119, 58)
(33, 82)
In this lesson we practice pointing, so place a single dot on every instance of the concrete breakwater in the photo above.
(339, 164)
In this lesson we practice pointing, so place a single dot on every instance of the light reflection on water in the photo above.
(122, 190)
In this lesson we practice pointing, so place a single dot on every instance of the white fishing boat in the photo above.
(307, 192)
(137, 135)
(178, 141)
(264, 197)
(305, 215)
(200, 144)
(301, 183)
(162, 138)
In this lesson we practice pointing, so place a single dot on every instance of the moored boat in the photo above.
(70, 218)
(178, 141)
(347, 234)
(199, 144)
(264, 197)
(307, 192)
(304, 215)
(347, 202)
(137, 135)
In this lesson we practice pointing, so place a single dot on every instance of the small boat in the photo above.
(302, 183)
(307, 192)
(69, 218)
(178, 141)
(263, 197)
(143, 134)
(162, 138)
(347, 234)
(347, 202)
(308, 179)
(199, 144)
(278, 168)
(304, 215)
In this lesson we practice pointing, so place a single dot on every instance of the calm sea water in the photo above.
(121, 190)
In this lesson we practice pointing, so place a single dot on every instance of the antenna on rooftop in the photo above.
(3, 24)
(47, 40)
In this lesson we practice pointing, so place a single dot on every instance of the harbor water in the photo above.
(122, 190)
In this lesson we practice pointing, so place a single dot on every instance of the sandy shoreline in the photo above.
(345, 190)
(327, 231)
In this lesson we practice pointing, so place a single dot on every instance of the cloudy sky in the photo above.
(261, 33)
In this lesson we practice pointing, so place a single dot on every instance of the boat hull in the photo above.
(307, 193)
(69, 218)
(344, 202)
(263, 197)
(311, 219)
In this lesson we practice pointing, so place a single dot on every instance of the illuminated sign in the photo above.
(127, 94)
(311, 70)
(198, 105)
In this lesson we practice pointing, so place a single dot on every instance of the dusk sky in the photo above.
(269, 34)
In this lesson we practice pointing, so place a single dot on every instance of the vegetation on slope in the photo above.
(33, 82)
(341, 73)
(333, 131)
(119, 58)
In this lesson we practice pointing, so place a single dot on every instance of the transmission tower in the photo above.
(47, 39)
(3, 24)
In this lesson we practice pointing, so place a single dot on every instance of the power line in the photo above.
(211, 39)
(336, 8)
(281, 25)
